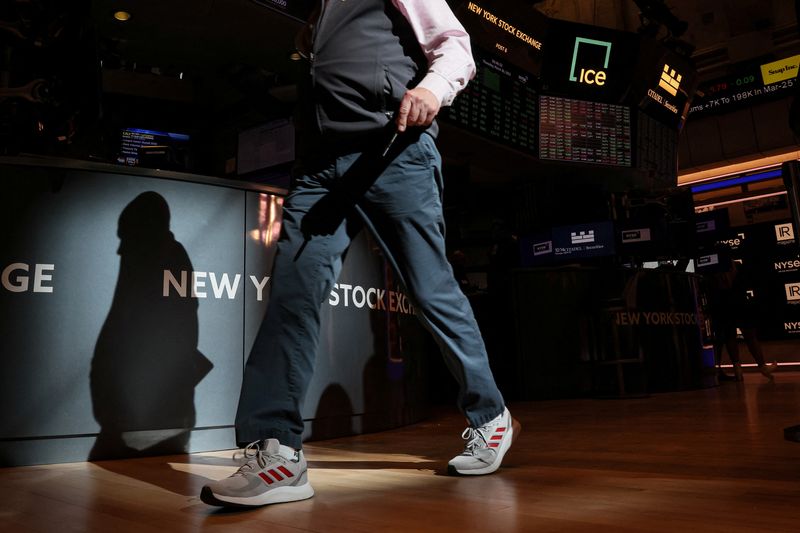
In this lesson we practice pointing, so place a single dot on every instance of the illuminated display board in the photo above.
(575, 242)
(656, 148)
(132, 139)
(514, 34)
(664, 84)
(588, 62)
(500, 103)
(750, 83)
(584, 132)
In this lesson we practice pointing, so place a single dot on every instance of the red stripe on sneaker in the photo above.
(494, 444)
(497, 437)
(266, 478)
(286, 471)
(499, 430)
(275, 474)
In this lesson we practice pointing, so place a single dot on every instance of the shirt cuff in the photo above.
(439, 86)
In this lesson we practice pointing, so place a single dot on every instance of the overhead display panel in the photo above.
(578, 131)
(516, 33)
(664, 85)
(500, 103)
(748, 84)
(588, 62)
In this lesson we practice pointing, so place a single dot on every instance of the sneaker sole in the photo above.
(516, 429)
(276, 495)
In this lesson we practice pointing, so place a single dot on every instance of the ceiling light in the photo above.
(122, 16)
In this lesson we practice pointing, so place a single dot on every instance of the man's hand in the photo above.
(418, 107)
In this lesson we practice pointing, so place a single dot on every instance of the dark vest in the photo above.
(364, 56)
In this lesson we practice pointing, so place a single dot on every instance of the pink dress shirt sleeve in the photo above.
(445, 43)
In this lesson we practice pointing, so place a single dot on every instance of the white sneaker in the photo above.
(485, 447)
(274, 474)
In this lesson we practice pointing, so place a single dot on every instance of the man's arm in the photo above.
(446, 45)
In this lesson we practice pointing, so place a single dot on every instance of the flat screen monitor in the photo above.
(747, 84)
(514, 33)
(537, 249)
(580, 131)
(711, 226)
(265, 146)
(589, 62)
(713, 262)
(583, 241)
(664, 85)
(133, 141)
(499, 104)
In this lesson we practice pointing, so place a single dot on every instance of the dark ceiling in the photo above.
(198, 36)
(202, 34)
(230, 51)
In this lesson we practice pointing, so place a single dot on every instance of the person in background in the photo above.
(731, 308)
(377, 73)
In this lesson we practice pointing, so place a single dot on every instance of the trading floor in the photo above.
(706, 460)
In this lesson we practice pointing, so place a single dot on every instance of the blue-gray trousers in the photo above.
(398, 197)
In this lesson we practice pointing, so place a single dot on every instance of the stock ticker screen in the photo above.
(749, 83)
(500, 103)
(584, 132)
(132, 139)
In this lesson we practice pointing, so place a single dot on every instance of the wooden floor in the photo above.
(711, 460)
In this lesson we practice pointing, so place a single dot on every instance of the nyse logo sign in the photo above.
(543, 248)
(792, 292)
(708, 260)
(705, 226)
(784, 232)
(735, 242)
(791, 327)
(581, 237)
(636, 235)
(787, 266)
(670, 81)
(590, 76)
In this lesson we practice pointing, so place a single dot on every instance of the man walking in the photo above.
(378, 73)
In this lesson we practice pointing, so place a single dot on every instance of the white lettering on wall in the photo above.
(169, 280)
(198, 282)
(376, 299)
(259, 286)
(13, 280)
(224, 285)
(194, 284)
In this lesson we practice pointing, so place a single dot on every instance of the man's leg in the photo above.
(281, 362)
(404, 210)
(315, 233)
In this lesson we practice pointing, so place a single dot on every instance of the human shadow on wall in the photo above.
(392, 378)
(334, 415)
(146, 363)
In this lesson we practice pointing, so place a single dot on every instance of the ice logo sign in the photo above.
(593, 49)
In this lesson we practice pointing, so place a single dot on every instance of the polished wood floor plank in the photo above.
(711, 461)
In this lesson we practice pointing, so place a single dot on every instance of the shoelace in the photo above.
(252, 454)
(474, 437)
